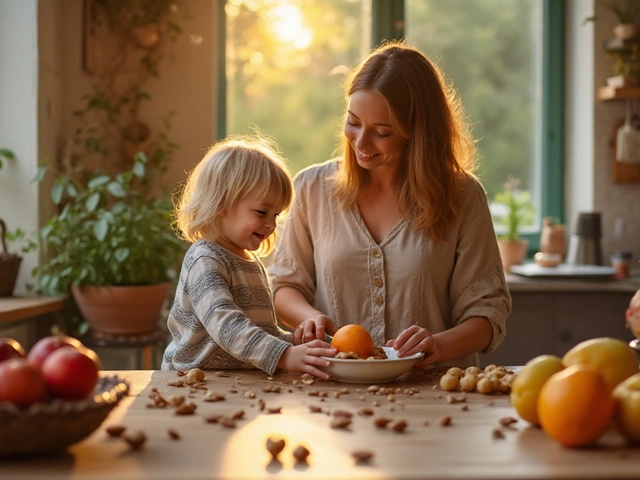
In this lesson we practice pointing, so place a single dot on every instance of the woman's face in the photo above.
(368, 129)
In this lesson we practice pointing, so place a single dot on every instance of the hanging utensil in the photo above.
(628, 139)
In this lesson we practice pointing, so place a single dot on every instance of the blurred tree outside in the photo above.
(286, 64)
(491, 50)
(286, 61)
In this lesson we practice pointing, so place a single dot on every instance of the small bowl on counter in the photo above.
(549, 260)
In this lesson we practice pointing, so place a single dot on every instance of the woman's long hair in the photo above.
(428, 115)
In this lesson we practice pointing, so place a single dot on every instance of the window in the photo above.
(286, 59)
(285, 65)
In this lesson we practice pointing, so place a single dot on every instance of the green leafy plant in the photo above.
(107, 232)
(625, 13)
(6, 154)
(514, 209)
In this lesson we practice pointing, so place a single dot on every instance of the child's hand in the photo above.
(305, 358)
(313, 328)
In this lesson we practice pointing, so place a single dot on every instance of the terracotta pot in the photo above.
(625, 31)
(121, 310)
(512, 253)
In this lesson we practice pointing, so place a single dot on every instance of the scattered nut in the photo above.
(497, 433)
(398, 426)
(274, 447)
(115, 430)
(508, 421)
(195, 375)
(381, 422)
(340, 422)
(173, 434)
(449, 382)
(445, 421)
(455, 372)
(135, 439)
(301, 453)
(362, 456)
(186, 409)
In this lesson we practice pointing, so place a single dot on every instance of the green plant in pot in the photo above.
(106, 240)
(514, 210)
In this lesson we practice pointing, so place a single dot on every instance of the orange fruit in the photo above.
(353, 338)
(575, 406)
(611, 357)
(528, 382)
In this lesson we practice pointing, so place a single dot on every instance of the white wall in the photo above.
(579, 160)
(19, 120)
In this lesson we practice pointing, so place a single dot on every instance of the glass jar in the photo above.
(621, 262)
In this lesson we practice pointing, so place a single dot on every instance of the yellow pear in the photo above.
(528, 383)
(613, 358)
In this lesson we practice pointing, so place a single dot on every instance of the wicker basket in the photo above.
(47, 428)
(9, 266)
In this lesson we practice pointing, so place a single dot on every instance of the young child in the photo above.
(223, 315)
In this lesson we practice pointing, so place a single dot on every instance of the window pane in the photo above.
(285, 66)
(491, 50)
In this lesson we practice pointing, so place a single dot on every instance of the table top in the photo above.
(302, 414)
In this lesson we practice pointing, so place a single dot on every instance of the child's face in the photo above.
(247, 224)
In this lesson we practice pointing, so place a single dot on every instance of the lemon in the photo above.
(612, 358)
(528, 383)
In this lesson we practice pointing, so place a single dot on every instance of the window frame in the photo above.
(387, 22)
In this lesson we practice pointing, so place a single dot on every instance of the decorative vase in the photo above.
(512, 252)
(146, 36)
(122, 309)
(553, 238)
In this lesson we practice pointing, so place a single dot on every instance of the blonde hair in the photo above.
(230, 170)
(428, 115)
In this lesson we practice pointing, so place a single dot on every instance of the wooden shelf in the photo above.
(611, 93)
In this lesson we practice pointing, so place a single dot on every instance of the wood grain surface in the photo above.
(302, 414)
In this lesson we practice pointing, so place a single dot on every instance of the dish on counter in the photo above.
(564, 270)
(371, 371)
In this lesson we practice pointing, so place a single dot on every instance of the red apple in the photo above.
(10, 348)
(71, 373)
(21, 382)
(43, 347)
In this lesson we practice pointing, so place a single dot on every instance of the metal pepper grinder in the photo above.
(585, 247)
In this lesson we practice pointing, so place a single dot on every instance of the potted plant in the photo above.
(627, 15)
(109, 241)
(512, 210)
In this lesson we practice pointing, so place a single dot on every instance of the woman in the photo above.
(396, 235)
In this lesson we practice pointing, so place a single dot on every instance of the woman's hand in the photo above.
(313, 328)
(416, 339)
(305, 358)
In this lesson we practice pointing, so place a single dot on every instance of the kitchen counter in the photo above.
(467, 448)
(520, 283)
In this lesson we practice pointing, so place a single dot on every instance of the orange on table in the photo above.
(575, 406)
(353, 338)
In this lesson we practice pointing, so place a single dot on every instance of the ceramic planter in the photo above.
(121, 310)
(512, 252)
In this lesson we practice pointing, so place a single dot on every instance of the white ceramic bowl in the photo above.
(370, 371)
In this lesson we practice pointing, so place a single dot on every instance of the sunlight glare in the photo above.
(287, 23)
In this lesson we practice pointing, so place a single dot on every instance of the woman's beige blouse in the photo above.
(327, 253)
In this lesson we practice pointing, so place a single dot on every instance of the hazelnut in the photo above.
(275, 446)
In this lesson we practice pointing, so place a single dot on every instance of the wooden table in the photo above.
(19, 308)
(425, 449)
